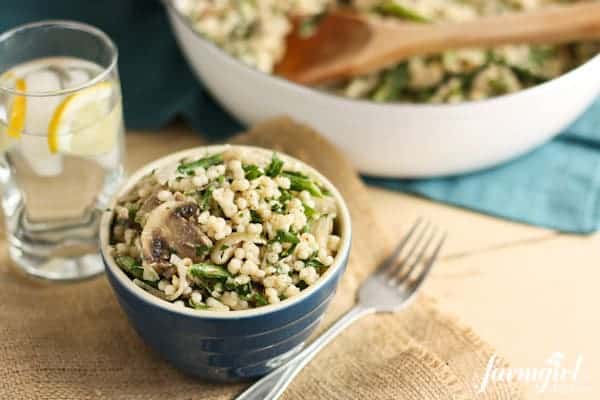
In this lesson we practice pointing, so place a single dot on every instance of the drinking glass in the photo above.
(61, 144)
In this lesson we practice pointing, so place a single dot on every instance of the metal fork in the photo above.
(389, 289)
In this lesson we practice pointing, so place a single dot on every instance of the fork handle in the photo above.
(272, 386)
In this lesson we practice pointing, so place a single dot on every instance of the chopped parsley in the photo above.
(258, 299)
(255, 218)
(202, 250)
(285, 196)
(316, 264)
(204, 202)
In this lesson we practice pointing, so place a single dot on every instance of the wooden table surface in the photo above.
(529, 292)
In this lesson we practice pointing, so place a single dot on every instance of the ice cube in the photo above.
(34, 149)
(76, 77)
(40, 109)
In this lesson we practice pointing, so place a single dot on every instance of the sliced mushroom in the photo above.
(170, 227)
(149, 204)
(224, 249)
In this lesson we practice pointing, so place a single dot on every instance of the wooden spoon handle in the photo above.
(558, 24)
(548, 25)
(347, 44)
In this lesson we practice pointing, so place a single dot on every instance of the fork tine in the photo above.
(390, 261)
(423, 274)
(399, 266)
(402, 276)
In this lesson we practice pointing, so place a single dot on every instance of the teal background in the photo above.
(157, 83)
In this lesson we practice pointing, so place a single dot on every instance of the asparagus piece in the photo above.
(209, 271)
(188, 168)
(299, 182)
(393, 9)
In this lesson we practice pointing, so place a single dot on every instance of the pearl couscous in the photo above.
(254, 31)
(229, 231)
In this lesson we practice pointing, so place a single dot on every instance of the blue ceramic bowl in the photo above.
(225, 346)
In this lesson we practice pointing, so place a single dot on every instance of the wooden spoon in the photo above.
(346, 44)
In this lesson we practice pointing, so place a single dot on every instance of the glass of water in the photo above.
(61, 144)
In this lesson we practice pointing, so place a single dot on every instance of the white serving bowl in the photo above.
(398, 140)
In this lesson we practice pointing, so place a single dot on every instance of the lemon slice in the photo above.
(86, 123)
(18, 111)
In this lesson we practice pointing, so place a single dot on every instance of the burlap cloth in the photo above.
(73, 341)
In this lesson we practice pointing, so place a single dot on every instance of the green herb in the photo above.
(139, 219)
(302, 182)
(224, 247)
(130, 265)
(316, 264)
(252, 172)
(286, 237)
(305, 228)
(295, 173)
(202, 250)
(309, 25)
(221, 179)
(498, 86)
(243, 290)
(277, 207)
(538, 55)
(258, 299)
(274, 168)
(209, 271)
(309, 211)
(393, 82)
(289, 250)
(301, 285)
(150, 283)
(205, 198)
(285, 196)
(200, 306)
(255, 218)
(393, 9)
(186, 168)
(525, 75)
(133, 209)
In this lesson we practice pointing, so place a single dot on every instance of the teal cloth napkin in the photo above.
(556, 186)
